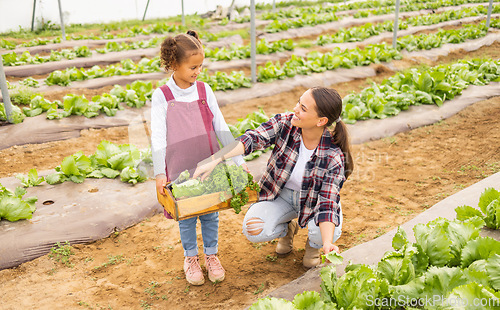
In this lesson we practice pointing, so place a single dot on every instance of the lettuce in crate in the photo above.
(224, 178)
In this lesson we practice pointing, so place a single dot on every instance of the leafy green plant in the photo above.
(13, 207)
(17, 116)
(79, 105)
(21, 96)
(489, 209)
(126, 67)
(32, 179)
(38, 105)
(223, 81)
(109, 160)
(448, 260)
(30, 82)
(418, 86)
(318, 62)
(112, 260)
(229, 179)
(62, 253)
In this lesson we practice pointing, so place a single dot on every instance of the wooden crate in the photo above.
(195, 206)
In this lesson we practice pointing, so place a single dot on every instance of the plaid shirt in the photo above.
(323, 176)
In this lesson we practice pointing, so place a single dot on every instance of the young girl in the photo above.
(304, 175)
(186, 122)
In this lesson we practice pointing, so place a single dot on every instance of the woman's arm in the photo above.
(206, 166)
(327, 229)
(260, 138)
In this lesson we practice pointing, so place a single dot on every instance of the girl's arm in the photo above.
(158, 138)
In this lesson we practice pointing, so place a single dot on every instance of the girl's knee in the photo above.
(254, 226)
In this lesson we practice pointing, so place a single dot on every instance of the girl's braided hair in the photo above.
(174, 50)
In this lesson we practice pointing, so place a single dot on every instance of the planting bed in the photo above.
(396, 178)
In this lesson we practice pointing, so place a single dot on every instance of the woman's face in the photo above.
(305, 112)
(186, 73)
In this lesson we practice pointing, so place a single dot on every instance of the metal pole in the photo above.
(5, 93)
(183, 19)
(62, 21)
(274, 6)
(144, 16)
(396, 26)
(33, 16)
(253, 46)
(490, 7)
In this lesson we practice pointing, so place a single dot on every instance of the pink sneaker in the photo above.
(215, 271)
(192, 269)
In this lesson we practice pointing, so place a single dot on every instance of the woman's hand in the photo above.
(205, 167)
(161, 182)
(328, 247)
(327, 229)
(245, 167)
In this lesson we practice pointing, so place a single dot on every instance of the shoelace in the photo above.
(214, 263)
(194, 265)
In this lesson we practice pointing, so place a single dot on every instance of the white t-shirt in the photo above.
(159, 116)
(295, 180)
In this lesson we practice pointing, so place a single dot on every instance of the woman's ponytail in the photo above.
(341, 138)
(329, 105)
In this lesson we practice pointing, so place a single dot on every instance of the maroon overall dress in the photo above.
(190, 133)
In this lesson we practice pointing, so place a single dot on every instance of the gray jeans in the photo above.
(277, 213)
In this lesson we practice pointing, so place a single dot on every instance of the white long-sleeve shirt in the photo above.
(159, 124)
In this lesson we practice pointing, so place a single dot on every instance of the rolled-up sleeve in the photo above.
(263, 136)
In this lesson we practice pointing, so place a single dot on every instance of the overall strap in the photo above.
(169, 97)
(167, 92)
(202, 93)
(205, 112)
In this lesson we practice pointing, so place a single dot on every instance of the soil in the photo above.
(141, 267)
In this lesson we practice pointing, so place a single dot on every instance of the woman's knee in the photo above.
(254, 226)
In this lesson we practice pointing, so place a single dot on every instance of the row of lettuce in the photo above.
(165, 27)
(407, 6)
(352, 34)
(415, 86)
(449, 266)
(296, 65)
(126, 162)
(308, 19)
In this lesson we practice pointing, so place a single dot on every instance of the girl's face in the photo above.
(186, 72)
(305, 113)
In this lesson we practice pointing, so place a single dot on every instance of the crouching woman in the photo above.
(304, 175)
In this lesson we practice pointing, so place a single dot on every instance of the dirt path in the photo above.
(141, 267)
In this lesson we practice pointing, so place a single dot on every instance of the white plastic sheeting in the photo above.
(15, 14)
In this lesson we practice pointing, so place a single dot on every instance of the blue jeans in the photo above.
(277, 213)
(209, 232)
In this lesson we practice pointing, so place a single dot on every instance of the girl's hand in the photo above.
(161, 182)
(328, 247)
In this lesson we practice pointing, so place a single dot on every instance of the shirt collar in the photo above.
(176, 89)
(324, 144)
